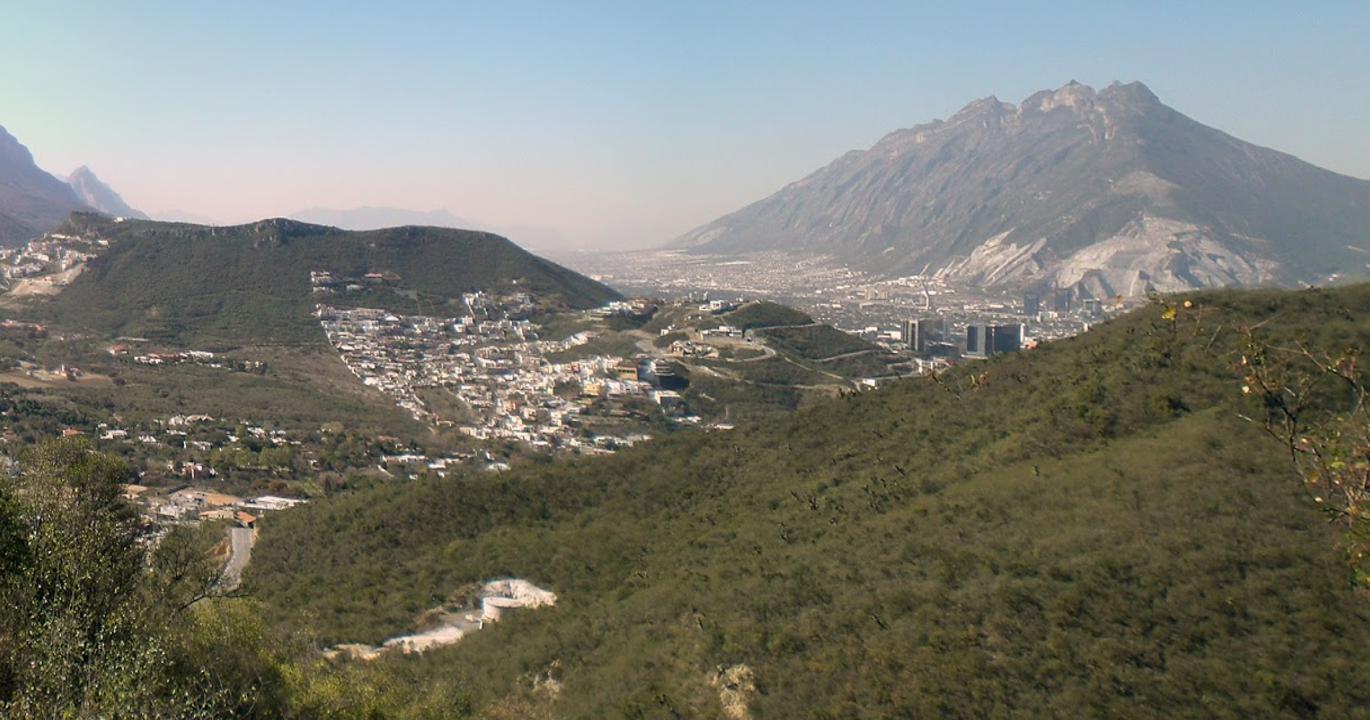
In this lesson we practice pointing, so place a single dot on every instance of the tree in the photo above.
(1292, 385)
(80, 621)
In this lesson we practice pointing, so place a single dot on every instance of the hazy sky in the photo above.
(617, 124)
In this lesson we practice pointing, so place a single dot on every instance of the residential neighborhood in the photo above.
(487, 373)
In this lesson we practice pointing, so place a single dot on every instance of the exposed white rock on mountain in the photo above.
(1110, 191)
(1165, 255)
(100, 196)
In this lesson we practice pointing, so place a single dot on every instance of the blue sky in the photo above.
(618, 123)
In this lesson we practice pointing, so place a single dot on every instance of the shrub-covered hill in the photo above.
(816, 342)
(1086, 530)
(764, 314)
(251, 283)
(823, 347)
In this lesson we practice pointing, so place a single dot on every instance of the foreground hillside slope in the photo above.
(251, 283)
(1088, 529)
(1109, 191)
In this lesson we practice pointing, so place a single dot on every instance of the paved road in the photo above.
(239, 553)
(846, 355)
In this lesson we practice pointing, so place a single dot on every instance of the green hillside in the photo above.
(820, 347)
(816, 342)
(251, 283)
(765, 314)
(1086, 530)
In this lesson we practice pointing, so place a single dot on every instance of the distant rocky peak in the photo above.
(990, 106)
(95, 193)
(1073, 95)
(1135, 94)
(83, 173)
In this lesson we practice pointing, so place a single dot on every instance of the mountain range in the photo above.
(1110, 192)
(33, 201)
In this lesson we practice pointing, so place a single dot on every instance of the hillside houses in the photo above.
(193, 504)
(486, 372)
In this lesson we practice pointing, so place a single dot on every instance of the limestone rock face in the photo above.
(1111, 191)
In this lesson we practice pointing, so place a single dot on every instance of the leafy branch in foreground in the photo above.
(1330, 450)
(97, 620)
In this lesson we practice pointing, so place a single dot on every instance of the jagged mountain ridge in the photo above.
(32, 201)
(95, 193)
(1108, 191)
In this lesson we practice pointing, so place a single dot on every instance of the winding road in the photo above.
(239, 553)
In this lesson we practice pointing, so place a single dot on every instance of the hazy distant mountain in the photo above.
(376, 218)
(1110, 191)
(185, 216)
(533, 237)
(32, 202)
(100, 196)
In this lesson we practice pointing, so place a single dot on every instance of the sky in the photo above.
(614, 124)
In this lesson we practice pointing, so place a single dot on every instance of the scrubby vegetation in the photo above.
(1100, 528)
(871, 364)
(609, 342)
(228, 286)
(305, 392)
(773, 372)
(816, 342)
(766, 314)
(100, 620)
(1103, 527)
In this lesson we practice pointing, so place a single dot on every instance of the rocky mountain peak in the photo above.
(1073, 96)
(98, 195)
(1133, 92)
(984, 107)
(1109, 191)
